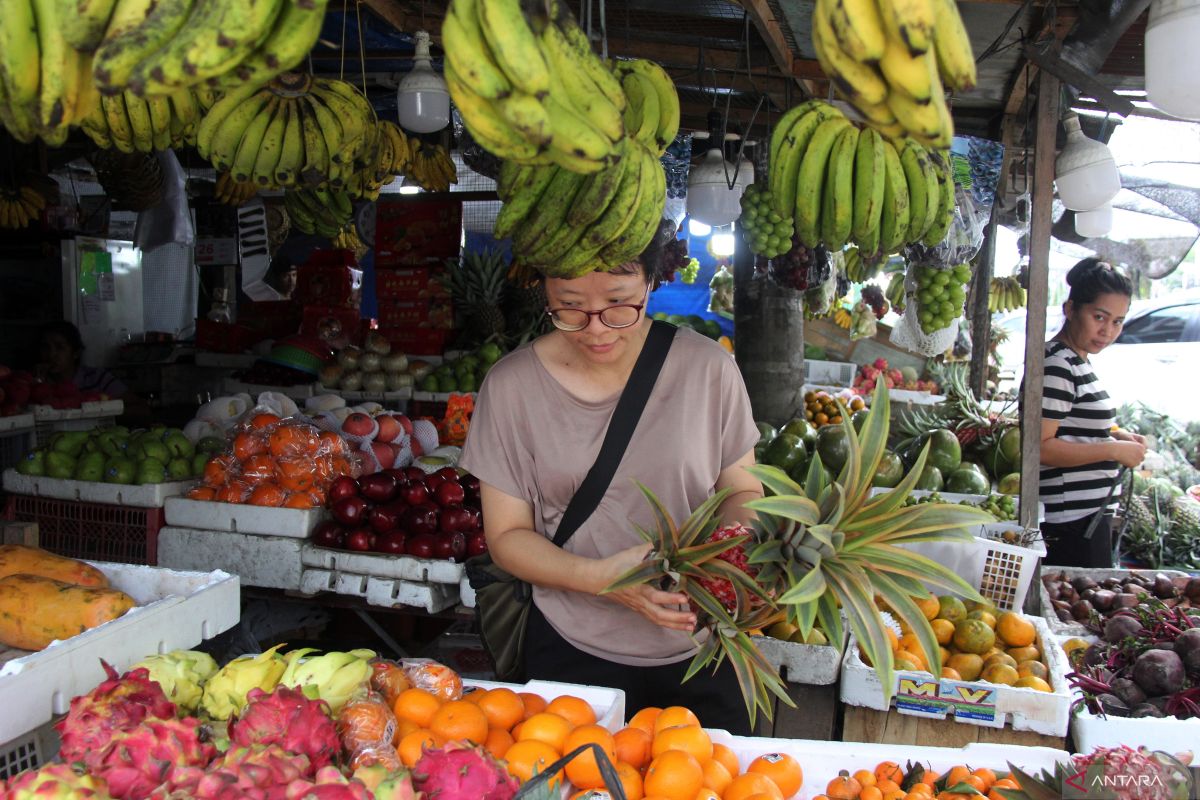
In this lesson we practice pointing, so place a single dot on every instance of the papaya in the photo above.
(34, 611)
(18, 559)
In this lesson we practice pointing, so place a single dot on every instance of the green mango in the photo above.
(1011, 484)
(858, 418)
(469, 362)
(199, 460)
(210, 444)
(151, 470)
(889, 472)
(945, 451)
(467, 383)
(833, 447)
(32, 463)
(798, 426)
(965, 480)
(785, 451)
(766, 432)
(179, 469)
(711, 329)
(178, 445)
(59, 465)
(90, 467)
(490, 353)
(930, 480)
(447, 384)
(429, 383)
(119, 469)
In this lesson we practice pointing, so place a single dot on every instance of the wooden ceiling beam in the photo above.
(771, 31)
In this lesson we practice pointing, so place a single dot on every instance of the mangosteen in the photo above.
(1164, 587)
(1128, 691)
(1119, 627)
(1192, 590)
(1112, 584)
(1159, 672)
(1103, 599)
(1146, 710)
(1083, 582)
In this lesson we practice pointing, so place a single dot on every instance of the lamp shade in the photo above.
(1094, 223)
(710, 199)
(1085, 172)
(1172, 57)
(423, 101)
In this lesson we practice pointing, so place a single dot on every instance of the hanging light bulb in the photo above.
(1171, 57)
(1095, 223)
(423, 101)
(710, 199)
(1085, 172)
(723, 242)
(698, 228)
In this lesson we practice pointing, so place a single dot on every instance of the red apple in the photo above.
(359, 539)
(389, 428)
(350, 511)
(415, 494)
(420, 545)
(405, 423)
(392, 543)
(384, 454)
(417, 449)
(342, 487)
(420, 519)
(476, 544)
(379, 487)
(327, 534)
(469, 482)
(414, 473)
(454, 518)
(451, 546)
(449, 473)
(449, 493)
(359, 424)
(386, 518)
(432, 482)
(476, 519)
(399, 474)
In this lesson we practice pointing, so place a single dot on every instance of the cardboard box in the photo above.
(416, 233)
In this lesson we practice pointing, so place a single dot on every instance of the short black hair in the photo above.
(1091, 277)
(64, 329)
(652, 260)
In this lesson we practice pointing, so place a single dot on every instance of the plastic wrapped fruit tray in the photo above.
(407, 568)
(210, 515)
(150, 495)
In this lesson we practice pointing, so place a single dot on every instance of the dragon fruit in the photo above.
(462, 772)
(289, 719)
(387, 784)
(136, 762)
(722, 588)
(1133, 774)
(262, 772)
(55, 780)
(329, 784)
(120, 703)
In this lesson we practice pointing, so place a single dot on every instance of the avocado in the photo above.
(59, 465)
(965, 480)
(930, 480)
(32, 463)
(945, 452)
(766, 432)
(119, 469)
(833, 447)
(889, 472)
(798, 426)
(785, 451)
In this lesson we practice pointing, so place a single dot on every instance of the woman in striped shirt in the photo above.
(1081, 449)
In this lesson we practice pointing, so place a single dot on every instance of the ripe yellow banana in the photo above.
(468, 52)
(909, 22)
(952, 46)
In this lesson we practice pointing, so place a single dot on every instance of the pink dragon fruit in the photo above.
(55, 780)
(120, 703)
(387, 784)
(881, 364)
(462, 772)
(136, 762)
(287, 718)
(260, 771)
(329, 784)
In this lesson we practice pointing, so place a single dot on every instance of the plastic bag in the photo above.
(908, 334)
(170, 220)
(819, 299)
(720, 292)
(366, 723)
(433, 677)
(389, 679)
(862, 321)
(962, 241)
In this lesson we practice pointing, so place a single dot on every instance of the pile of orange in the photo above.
(821, 408)
(888, 781)
(275, 462)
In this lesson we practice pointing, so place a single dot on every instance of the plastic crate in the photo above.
(91, 531)
(829, 373)
(14, 445)
(28, 751)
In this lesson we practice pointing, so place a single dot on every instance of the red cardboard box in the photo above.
(323, 284)
(416, 233)
(413, 283)
(418, 341)
(318, 316)
(437, 313)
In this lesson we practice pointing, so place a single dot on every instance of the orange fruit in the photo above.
(951, 674)
(216, 471)
(583, 770)
(299, 500)
(503, 707)
(498, 741)
(292, 441)
(957, 775)
(267, 494)
(248, 444)
(631, 781)
(1015, 630)
(546, 727)
(202, 493)
(751, 783)
(716, 777)
(461, 721)
(416, 705)
(263, 420)
(762, 796)
(929, 606)
(728, 759)
(987, 776)
(781, 768)
(843, 787)
(673, 716)
(865, 777)
(525, 758)
(403, 728)
(233, 492)
(1033, 682)
(534, 703)
(930, 777)
(573, 709)
(870, 793)
(689, 738)
(645, 719)
(706, 793)
(887, 786)
(675, 775)
(632, 745)
(295, 475)
(414, 744)
(889, 771)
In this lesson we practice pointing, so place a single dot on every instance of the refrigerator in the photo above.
(102, 295)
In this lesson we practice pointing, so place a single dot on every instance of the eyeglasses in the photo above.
(576, 319)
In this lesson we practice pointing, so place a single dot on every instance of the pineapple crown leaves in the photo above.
(829, 544)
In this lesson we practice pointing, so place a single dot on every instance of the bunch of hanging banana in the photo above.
(895, 292)
(295, 131)
(528, 86)
(1006, 294)
(234, 193)
(127, 122)
(432, 168)
(393, 155)
(842, 318)
(19, 206)
(318, 211)
(842, 184)
(651, 103)
(892, 59)
(565, 224)
(860, 269)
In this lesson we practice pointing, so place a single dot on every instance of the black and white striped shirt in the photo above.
(1074, 399)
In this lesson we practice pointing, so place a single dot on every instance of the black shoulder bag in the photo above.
(502, 601)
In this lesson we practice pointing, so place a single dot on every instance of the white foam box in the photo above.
(439, 397)
(829, 373)
(209, 515)
(408, 568)
(91, 410)
(821, 761)
(915, 398)
(1067, 630)
(397, 396)
(382, 592)
(814, 665)
(973, 702)
(150, 495)
(466, 593)
(608, 704)
(272, 562)
(1170, 735)
(301, 391)
(17, 423)
(176, 610)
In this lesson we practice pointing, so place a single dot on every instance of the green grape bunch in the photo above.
(766, 231)
(940, 295)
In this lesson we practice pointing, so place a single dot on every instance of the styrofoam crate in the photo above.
(814, 665)
(607, 703)
(16, 423)
(175, 610)
(1070, 629)
(15, 443)
(974, 702)
(383, 592)
(399, 395)
(209, 515)
(821, 761)
(149, 495)
(466, 593)
(438, 397)
(92, 410)
(916, 398)
(299, 391)
(1090, 731)
(271, 562)
(408, 568)
(829, 373)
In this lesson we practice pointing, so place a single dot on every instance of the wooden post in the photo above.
(1045, 150)
(981, 317)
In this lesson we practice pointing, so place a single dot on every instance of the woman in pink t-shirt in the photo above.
(541, 416)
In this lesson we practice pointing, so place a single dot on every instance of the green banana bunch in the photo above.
(318, 211)
(1005, 294)
(225, 692)
(127, 122)
(652, 107)
(528, 86)
(181, 674)
(860, 268)
(334, 677)
(895, 291)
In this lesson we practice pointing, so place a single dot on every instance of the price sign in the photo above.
(216, 251)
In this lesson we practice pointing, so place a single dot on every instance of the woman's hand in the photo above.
(1129, 453)
(1128, 436)
(661, 608)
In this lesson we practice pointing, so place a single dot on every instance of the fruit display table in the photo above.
(893, 728)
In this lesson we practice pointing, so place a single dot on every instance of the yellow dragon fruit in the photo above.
(181, 674)
(225, 692)
(55, 780)
(335, 677)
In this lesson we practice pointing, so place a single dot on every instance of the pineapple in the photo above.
(476, 284)
(1118, 772)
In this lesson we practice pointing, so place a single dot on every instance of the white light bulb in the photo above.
(698, 228)
(722, 244)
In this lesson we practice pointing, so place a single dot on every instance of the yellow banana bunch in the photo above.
(895, 292)
(893, 60)
(20, 206)
(334, 677)
(528, 86)
(432, 168)
(130, 123)
(1005, 294)
(324, 212)
(842, 317)
(234, 193)
(225, 692)
(651, 103)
